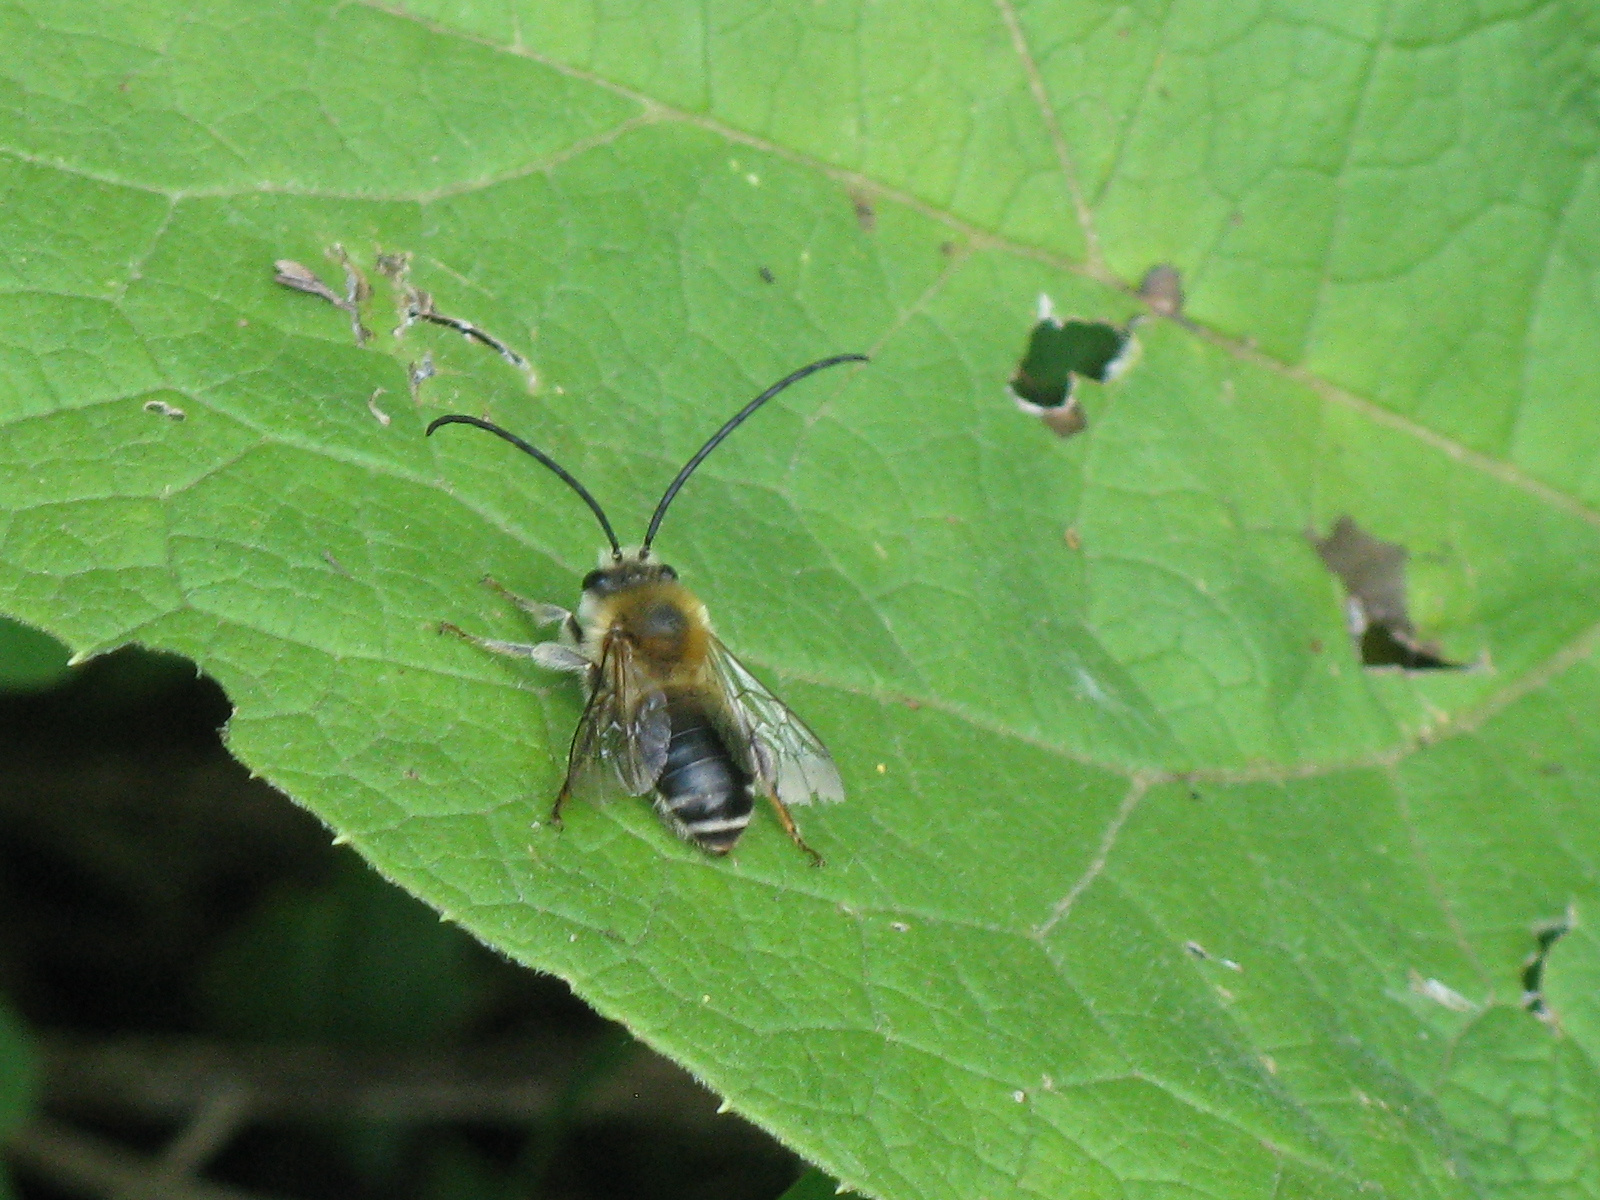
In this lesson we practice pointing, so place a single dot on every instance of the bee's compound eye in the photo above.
(593, 580)
(668, 573)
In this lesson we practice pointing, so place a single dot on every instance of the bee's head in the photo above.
(622, 572)
(642, 600)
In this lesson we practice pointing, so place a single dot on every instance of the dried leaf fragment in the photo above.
(300, 278)
(291, 274)
(1441, 994)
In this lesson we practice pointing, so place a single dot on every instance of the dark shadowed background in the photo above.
(214, 985)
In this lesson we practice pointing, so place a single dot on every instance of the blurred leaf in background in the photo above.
(351, 962)
(29, 659)
(16, 1082)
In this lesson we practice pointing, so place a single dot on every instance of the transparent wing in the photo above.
(788, 757)
(621, 739)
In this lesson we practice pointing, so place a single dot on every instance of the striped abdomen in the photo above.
(702, 790)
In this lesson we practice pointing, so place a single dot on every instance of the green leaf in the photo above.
(1144, 884)
(16, 1083)
(29, 659)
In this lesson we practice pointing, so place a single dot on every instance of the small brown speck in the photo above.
(866, 215)
(1073, 541)
(394, 266)
(1316, 645)
(1064, 420)
(1162, 290)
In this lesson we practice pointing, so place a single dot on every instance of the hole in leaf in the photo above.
(1545, 934)
(1059, 350)
(1382, 647)
(1374, 576)
(1058, 354)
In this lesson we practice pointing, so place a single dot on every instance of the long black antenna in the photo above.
(561, 472)
(733, 423)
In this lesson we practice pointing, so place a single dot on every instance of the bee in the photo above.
(669, 712)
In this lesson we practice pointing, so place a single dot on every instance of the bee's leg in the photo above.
(789, 827)
(561, 799)
(552, 656)
(542, 613)
(492, 645)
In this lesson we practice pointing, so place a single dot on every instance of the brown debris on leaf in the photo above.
(1063, 420)
(300, 278)
(1374, 576)
(420, 372)
(416, 304)
(419, 307)
(1162, 290)
(162, 409)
